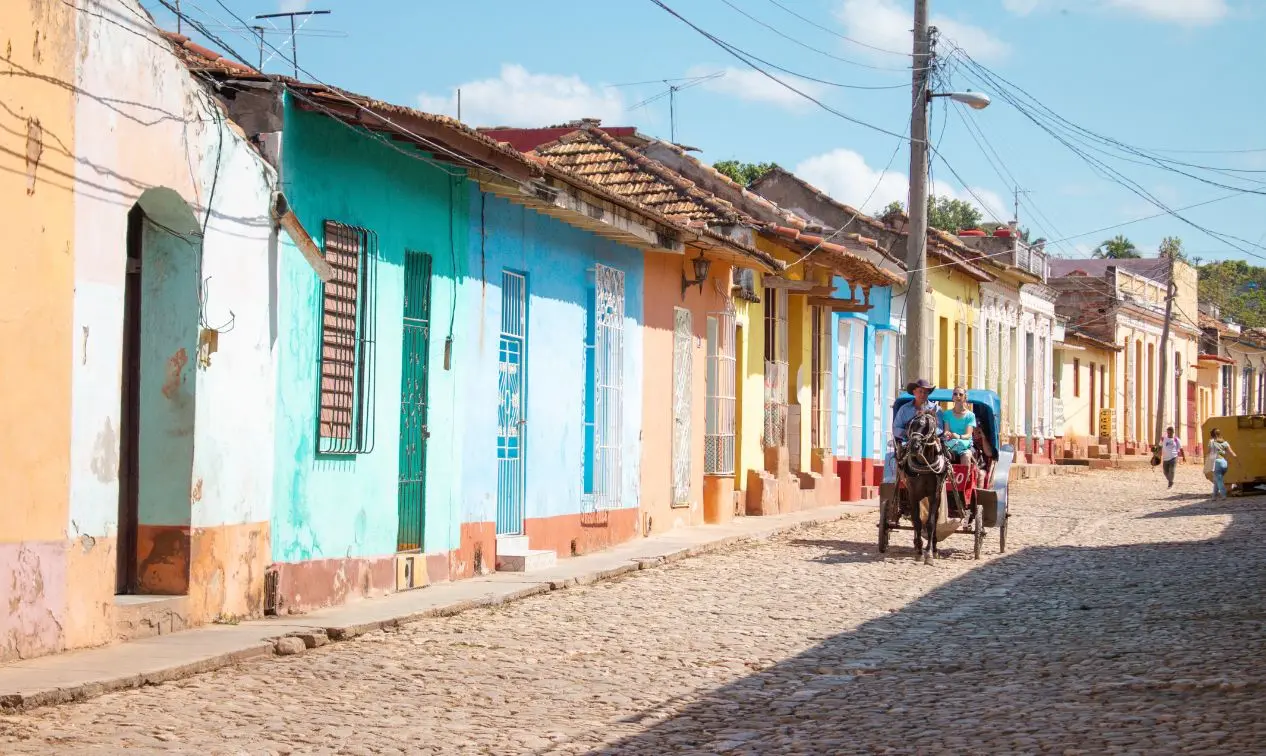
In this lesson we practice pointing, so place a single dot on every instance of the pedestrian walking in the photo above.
(1171, 450)
(1217, 462)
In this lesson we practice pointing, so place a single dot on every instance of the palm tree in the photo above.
(1117, 248)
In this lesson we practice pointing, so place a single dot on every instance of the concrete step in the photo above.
(530, 560)
(144, 616)
(512, 544)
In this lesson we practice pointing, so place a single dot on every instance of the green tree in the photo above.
(952, 215)
(743, 173)
(892, 208)
(945, 213)
(1171, 246)
(1117, 248)
(1237, 288)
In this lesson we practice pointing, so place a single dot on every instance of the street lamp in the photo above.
(973, 100)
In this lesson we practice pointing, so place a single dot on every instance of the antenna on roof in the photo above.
(294, 44)
(671, 94)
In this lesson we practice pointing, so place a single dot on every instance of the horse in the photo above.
(925, 467)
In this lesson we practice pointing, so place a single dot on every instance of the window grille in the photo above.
(721, 412)
(883, 380)
(347, 361)
(962, 348)
(683, 384)
(776, 351)
(1228, 375)
(605, 469)
(820, 366)
(856, 386)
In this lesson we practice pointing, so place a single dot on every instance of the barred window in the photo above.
(720, 413)
(345, 420)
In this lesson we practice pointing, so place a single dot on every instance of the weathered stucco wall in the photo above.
(335, 523)
(558, 261)
(663, 295)
(140, 130)
(37, 144)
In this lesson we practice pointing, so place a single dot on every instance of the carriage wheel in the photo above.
(1002, 530)
(978, 517)
(884, 530)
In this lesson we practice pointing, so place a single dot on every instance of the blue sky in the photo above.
(1156, 74)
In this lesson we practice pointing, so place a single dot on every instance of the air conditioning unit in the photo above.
(743, 284)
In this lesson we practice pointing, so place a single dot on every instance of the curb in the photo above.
(338, 633)
(312, 636)
(18, 702)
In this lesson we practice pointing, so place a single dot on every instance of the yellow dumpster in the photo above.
(1247, 436)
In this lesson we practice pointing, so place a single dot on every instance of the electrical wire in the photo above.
(820, 51)
(390, 124)
(1111, 174)
(846, 38)
(1085, 136)
(747, 60)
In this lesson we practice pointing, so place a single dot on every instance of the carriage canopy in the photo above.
(986, 405)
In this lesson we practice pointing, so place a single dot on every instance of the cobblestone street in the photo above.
(1125, 618)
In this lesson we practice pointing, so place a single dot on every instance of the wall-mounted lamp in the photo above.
(701, 266)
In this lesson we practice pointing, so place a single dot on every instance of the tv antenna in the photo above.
(674, 86)
(294, 44)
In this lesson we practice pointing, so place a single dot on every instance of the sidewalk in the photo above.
(77, 675)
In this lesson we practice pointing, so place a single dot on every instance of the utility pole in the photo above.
(916, 357)
(1163, 364)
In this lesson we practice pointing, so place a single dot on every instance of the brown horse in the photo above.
(925, 467)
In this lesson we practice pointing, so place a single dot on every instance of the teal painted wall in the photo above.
(346, 507)
(168, 354)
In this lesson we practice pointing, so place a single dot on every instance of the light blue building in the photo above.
(866, 358)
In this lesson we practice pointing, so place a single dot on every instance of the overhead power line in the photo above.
(748, 59)
(820, 51)
(1005, 90)
(844, 37)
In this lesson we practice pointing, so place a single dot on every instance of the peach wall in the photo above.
(663, 275)
(37, 177)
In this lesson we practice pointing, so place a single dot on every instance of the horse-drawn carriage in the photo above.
(976, 495)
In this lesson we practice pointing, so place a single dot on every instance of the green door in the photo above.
(413, 387)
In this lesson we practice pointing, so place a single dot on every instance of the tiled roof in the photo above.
(1073, 333)
(942, 246)
(839, 258)
(200, 59)
(1148, 267)
(596, 156)
(1208, 321)
(691, 212)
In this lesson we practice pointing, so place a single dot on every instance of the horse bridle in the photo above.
(916, 458)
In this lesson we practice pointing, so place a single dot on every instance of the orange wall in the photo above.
(663, 294)
(36, 272)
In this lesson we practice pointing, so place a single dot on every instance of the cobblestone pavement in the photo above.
(1126, 618)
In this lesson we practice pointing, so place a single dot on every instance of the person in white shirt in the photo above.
(1171, 450)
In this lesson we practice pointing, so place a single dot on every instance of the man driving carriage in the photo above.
(957, 425)
(921, 390)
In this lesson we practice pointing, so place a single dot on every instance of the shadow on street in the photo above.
(1156, 646)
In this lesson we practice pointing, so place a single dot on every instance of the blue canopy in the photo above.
(986, 405)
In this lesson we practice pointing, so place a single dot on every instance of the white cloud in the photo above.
(750, 85)
(520, 98)
(1177, 11)
(887, 24)
(844, 174)
(292, 6)
(1167, 11)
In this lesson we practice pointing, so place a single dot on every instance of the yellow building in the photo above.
(1123, 301)
(1085, 372)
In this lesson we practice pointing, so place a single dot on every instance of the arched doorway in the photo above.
(160, 334)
